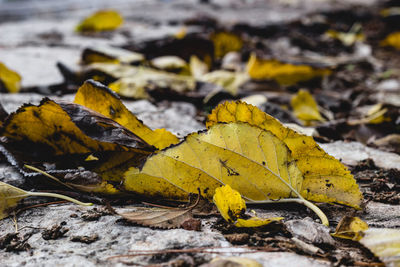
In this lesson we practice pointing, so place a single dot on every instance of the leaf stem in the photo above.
(46, 194)
(308, 204)
(47, 175)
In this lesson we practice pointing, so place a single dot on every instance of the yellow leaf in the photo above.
(229, 203)
(225, 42)
(348, 38)
(375, 115)
(230, 81)
(99, 98)
(181, 33)
(305, 107)
(283, 73)
(49, 130)
(232, 208)
(9, 79)
(197, 67)
(393, 40)
(169, 63)
(350, 228)
(11, 195)
(249, 159)
(9, 198)
(110, 55)
(134, 81)
(103, 20)
(325, 178)
(384, 243)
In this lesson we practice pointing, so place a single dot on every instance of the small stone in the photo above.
(238, 239)
(55, 232)
(85, 239)
(192, 225)
(309, 231)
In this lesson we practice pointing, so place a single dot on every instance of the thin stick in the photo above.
(47, 175)
(45, 194)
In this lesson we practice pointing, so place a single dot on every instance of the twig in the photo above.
(48, 175)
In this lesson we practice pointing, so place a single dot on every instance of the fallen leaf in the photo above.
(103, 20)
(392, 40)
(236, 154)
(305, 107)
(384, 243)
(225, 154)
(110, 55)
(283, 73)
(225, 42)
(11, 195)
(232, 208)
(197, 67)
(55, 129)
(350, 228)
(348, 38)
(99, 98)
(159, 218)
(230, 81)
(169, 63)
(129, 80)
(10, 81)
(325, 178)
(377, 114)
(233, 261)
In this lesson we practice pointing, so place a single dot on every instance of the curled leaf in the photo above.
(232, 208)
(10, 81)
(305, 107)
(229, 203)
(350, 228)
(326, 179)
(53, 129)
(283, 73)
(99, 98)
(103, 20)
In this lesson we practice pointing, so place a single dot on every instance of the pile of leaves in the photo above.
(261, 153)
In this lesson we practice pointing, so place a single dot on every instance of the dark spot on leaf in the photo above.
(112, 111)
(36, 113)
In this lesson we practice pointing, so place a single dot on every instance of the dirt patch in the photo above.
(378, 184)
